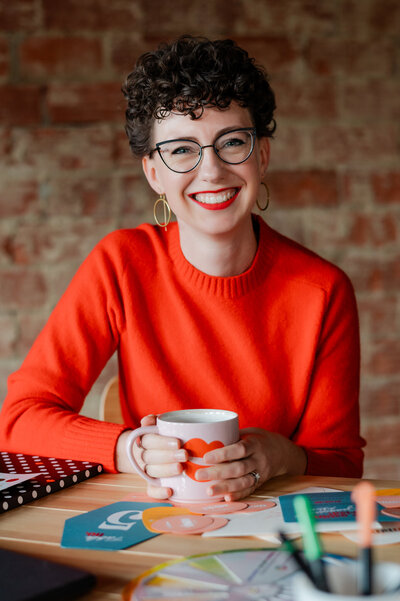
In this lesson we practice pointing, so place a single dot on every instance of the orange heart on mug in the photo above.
(196, 447)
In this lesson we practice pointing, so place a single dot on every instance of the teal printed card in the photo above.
(110, 528)
(329, 506)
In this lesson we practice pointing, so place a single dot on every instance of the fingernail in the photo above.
(180, 455)
(173, 444)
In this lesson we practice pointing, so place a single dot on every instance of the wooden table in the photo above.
(36, 529)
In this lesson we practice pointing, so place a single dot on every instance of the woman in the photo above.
(215, 310)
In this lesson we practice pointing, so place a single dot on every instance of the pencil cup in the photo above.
(200, 431)
(343, 584)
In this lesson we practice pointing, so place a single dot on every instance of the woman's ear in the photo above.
(264, 154)
(150, 171)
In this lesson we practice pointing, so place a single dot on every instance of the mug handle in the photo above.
(129, 444)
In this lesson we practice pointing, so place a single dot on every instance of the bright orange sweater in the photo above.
(279, 344)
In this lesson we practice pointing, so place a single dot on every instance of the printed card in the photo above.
(329, 507)
(110, 528)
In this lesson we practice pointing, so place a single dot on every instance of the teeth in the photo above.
(209, 198)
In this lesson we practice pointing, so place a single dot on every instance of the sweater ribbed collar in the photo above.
(228, 287)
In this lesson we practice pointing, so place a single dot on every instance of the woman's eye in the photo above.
(183, 150)
(232, 142)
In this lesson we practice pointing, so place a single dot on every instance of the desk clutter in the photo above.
(251, 574)
(25, 478)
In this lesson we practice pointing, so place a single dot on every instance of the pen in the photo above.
(312, 547)
(296, 555)
(364, 497)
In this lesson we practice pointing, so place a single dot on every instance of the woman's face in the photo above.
(216, 197)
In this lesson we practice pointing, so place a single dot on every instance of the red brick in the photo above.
(92, 15)
(215, 18)
(305, 98)
(20, 105)
(385, 358)
(354, 145)
(80, 103)
(18, 197)
(55, 243)
(5, 143)
(123, 154)
(93, 196)
(375, 274)
(382, 468)
(277, 54)
(334, 55)
(19, 15)
(4, 57)
(382, 400)
(8, 338)
(386, 187)
(379, 316)
(288, 147)
(65, 149)
(7, 366)
(21, 288)
(303, 188)
(301, 18)
(382, 438)
(62, 57)
(137, 198)
(385, 17)
(372, 99)
(126, 49)
(30, 324)
(373, 230)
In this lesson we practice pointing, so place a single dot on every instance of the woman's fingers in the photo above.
(235, 488)
(159, 456)
(163, 470)
(158, 492)
(239, 450)
(155, 441)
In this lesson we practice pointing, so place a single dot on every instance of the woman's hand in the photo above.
(159, 456)
(267, 453)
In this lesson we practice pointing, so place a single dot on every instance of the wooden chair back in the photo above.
(110, 408)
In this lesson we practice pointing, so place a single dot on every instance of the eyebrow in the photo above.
(222, 131)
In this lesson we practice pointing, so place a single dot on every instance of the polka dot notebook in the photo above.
(55, 474)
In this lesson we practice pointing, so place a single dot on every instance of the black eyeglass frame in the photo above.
(251, 130)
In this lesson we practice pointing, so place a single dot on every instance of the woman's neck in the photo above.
(222, 255)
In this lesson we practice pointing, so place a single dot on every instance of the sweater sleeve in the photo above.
(40, 414)
(329, 429)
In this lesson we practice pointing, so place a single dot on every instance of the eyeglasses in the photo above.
(182, 155)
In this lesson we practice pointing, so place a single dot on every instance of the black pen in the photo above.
(295, 553)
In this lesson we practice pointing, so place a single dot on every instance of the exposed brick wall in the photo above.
(67, 177)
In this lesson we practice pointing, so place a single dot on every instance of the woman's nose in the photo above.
(210, 165)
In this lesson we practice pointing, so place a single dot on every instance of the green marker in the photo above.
(312, 546)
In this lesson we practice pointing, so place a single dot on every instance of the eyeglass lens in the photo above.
(183, 155)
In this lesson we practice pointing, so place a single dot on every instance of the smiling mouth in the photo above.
(215, 200)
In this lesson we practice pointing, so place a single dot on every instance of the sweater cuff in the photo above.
(345, 463)
(92, 440)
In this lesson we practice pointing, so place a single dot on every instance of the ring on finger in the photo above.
(256, 477)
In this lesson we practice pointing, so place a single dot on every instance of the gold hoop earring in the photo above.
(268, 197)
(167, 211)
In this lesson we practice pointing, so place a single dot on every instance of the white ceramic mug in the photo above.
(200, 431)
(343, 584)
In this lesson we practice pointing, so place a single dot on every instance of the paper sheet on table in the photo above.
(7, 480)
(389, 534)
(265, 524)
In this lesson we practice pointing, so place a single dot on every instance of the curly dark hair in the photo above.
(190, 74)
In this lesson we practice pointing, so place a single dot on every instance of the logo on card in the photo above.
(197, 448)
(121, 520)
